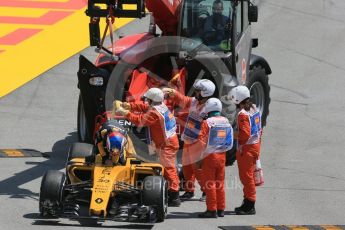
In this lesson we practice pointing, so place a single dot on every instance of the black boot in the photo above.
(187, 195)
(174, 199)
(247, 208)
(220, 213)
(239, 208)
(208, 214)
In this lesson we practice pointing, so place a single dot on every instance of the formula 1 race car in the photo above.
(92, 192)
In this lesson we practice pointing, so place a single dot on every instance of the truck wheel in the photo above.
(181, 177)
(259, 88)
(51, 190)
(83, 132)
(80, 150)
(155, 193)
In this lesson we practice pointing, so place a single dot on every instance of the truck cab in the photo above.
(216, 30)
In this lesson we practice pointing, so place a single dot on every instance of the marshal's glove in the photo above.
(116, 105)
(169, 92)
(122, 111)
(126, 105)
(175, 80)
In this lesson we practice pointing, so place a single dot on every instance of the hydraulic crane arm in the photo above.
(165, 13)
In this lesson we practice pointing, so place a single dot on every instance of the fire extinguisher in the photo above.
(258, 174)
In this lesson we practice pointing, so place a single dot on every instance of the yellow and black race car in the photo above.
(92, 192)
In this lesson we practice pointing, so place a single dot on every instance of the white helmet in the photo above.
(154, 94)
(206, 87)
(238, 94)
(213, 104)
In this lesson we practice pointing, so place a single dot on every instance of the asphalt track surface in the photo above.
(303, 144)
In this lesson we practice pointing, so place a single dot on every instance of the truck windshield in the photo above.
(207, 22)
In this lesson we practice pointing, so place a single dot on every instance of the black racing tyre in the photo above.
(84, 135)
(259, 88)
(52, 187)
(155, 193)
(80, 150)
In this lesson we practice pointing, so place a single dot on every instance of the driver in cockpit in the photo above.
(216, 25)
(111, 140)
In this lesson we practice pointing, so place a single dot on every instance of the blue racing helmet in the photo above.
(115, 142)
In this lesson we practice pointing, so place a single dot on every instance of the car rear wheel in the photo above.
(155, 194)
(51, 192)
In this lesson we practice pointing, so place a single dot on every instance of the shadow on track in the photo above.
(125, 226)
(56, 161)
(193, 215)
(41, 221)
(182, 215)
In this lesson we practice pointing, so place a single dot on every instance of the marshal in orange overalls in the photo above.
(190, 134)
(248, 150)
(216, 137)
(162, 127)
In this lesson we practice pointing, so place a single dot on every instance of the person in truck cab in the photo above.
(216, 25)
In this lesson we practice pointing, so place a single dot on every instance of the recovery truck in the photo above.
(182, 52)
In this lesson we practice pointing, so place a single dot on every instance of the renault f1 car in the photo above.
(93, 192)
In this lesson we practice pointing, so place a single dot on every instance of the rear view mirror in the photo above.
(94, 32)
(253, 13)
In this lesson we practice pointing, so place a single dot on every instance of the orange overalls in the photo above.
(248, 150)
(190, 134)
(162, 126)
(216, 137)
